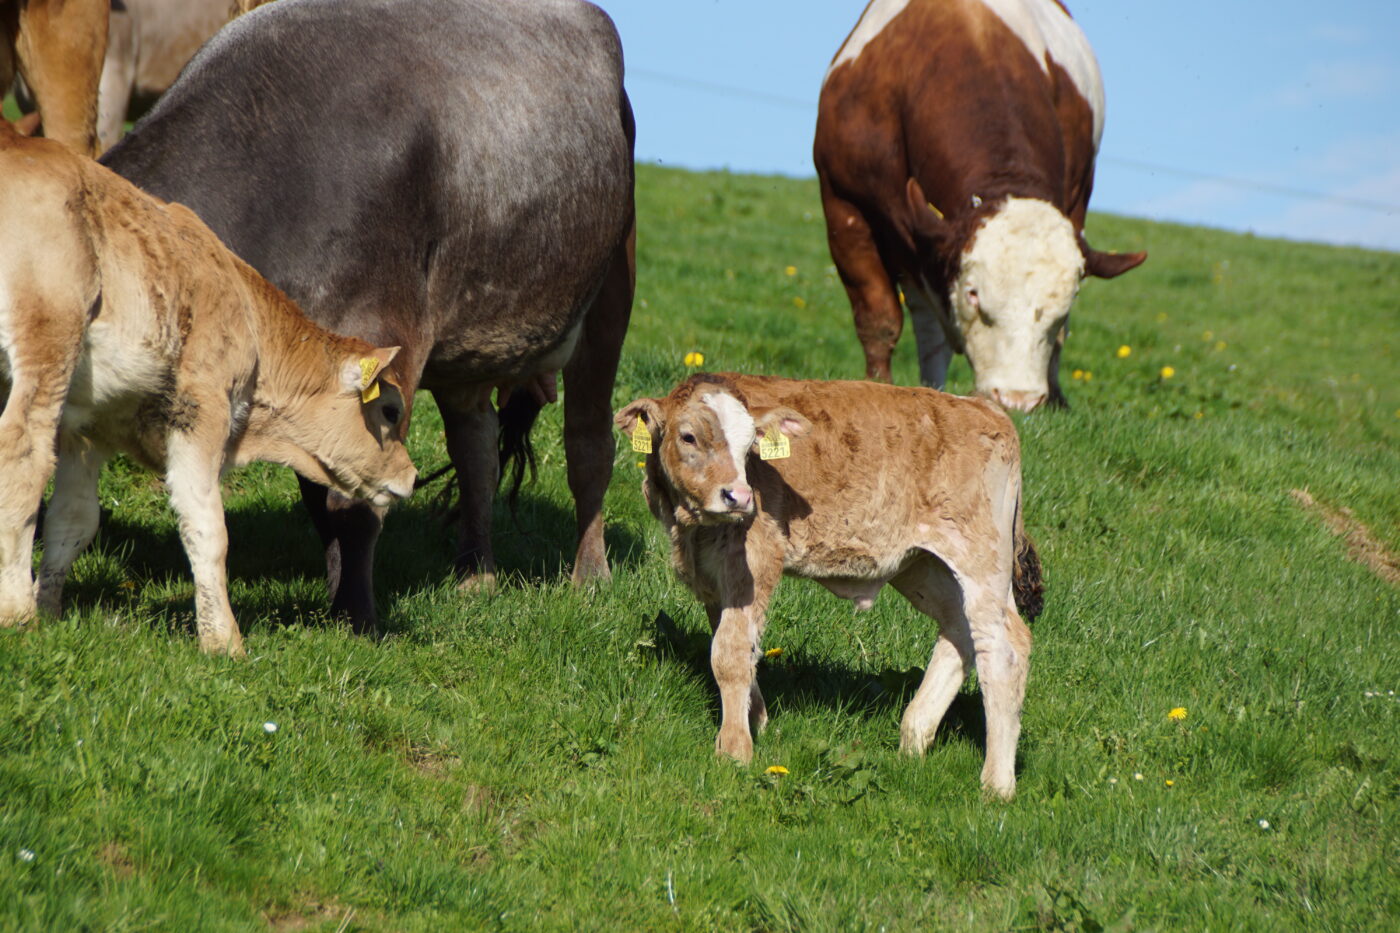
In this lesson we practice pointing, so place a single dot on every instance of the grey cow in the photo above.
(454, 177)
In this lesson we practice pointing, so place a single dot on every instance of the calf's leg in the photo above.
(758, 710)
(589, 448)
(72, 517)
(934, 591)
(60, 49)
(194, 459)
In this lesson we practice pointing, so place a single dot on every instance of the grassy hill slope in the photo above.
(541, 757)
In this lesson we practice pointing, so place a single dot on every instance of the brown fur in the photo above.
(126, 326)
(909, 487)
(57, 46)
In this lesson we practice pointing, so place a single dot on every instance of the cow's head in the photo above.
(357, 444)
(700, 438)
(1012, 281)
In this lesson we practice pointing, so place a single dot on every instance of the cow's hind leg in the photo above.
(589, 448)
(349, 529)
(72, 517)
(934, 591)
(879, 319)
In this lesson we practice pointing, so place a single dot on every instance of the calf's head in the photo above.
(350, 435)
(1011, 283)
(700, 438)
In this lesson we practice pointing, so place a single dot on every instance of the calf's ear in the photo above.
(647, 409)
(785, 420)
(359, 372)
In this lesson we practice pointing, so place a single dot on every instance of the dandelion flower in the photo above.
(1199, 415)
(1137, 775)
(791, 270)
(1088, 375)
(1168, 372)
(1077, 374)
(776, 769)
(641, 464)
(1220, 345)
(1208, 335)
(1161, 317)
(695, 358)
(1124, 351)
(773, 653)
(269, 727)
(1177, 714)
(1170, 783)
(799, 302)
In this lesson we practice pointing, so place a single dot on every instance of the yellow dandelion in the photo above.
(1161, 317)
(773, 653)
(1170, 782)
(1199, 415)
(1177, 714)
(1077, 374)
(799, 302)
(791, 270)
(776, 769)
(1168, 372)
(695, 358)
(641, 464)
(1124, 351)
(1208, 335)
(1220, 345)
(1088, 376)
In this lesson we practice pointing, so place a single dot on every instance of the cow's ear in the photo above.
(785, 420)
(926, 219)
(1107, 265)
(648, 410)
(360, 371)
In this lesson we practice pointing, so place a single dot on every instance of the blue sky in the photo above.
(1282, 118)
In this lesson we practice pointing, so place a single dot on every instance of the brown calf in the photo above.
(126, 326)
(854, 485)
(57, 46)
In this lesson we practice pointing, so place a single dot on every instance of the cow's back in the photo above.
(465, 159)
(953, 93)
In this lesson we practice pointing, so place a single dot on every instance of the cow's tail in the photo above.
(1027, 584)
(516, 418)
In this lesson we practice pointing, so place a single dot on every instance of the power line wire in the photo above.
(1133, 164)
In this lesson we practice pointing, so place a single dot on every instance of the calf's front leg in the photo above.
(193, 477)
(758, 710)
(733, 657)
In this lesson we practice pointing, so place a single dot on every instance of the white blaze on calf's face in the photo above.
(737, 426)
(704, 454)
(1015, 284)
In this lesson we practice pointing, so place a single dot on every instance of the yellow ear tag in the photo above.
(641, 437)
(369, 390)
(936, 212)
(774, 445)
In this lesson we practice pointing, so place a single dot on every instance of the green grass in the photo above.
(541, 757)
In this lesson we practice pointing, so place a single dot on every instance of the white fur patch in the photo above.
(737, 425)
(1044, 27)
(873, 22)
(1025, 266)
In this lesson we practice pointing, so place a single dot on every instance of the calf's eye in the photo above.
(688, 439)
(391, 414)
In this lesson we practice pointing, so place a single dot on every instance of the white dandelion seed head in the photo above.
(1263, 824)
(269, 727)
(1137, 775)
(26, 855)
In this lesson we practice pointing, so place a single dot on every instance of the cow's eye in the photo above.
(391, 414)
(688, 438)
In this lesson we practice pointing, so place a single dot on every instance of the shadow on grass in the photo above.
(801, 685)
(279, 545)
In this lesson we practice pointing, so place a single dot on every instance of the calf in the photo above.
(853, 485)
(126, 326)
(57, 47)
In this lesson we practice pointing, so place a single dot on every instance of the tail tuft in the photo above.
(516, 419)
(1027, 583)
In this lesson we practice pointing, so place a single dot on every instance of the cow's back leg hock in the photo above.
(348, 530)
(879, 319)
(589, 448)
(471, 431)
(72, 517)
(934, 591)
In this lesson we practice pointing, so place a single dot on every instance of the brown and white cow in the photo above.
(126, 326)
(877, 484)
(955, 146)
(57, 47)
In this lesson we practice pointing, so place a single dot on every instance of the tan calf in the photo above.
(58, 47)
(126, 326)
(854, 485)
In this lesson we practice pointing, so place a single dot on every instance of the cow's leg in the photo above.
(349, 529)
(118, 78)
(38, 388)
(879, 319)
(935, 353)
(933, 590)
(589, 447)
(60, 50)
(194, 459)
(758, 710)
(71, 519)
(1056, 398)
(1002, 644)
(471, 431)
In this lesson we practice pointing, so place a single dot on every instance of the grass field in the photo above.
(541, 757)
